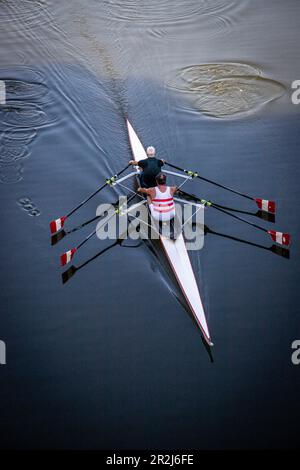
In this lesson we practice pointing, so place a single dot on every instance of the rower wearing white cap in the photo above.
(151, 167)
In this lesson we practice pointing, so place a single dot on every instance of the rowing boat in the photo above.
(177, 255)
(174, 247)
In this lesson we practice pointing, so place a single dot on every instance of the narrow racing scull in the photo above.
(177, 255)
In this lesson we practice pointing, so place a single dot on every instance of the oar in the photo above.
(263, 204)
(260, 214)
(69, 273)
(278, 250)
(278, 237)
(57, 237)
(66, 275)
(57, 224)
(66, 257)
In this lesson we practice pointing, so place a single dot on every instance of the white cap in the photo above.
(150, 151)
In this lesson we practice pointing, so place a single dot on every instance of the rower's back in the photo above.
(163, 211)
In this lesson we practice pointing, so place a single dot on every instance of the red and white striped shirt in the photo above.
(162, 205)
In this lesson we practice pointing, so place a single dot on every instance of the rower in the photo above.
(160, 199)
(151, 167)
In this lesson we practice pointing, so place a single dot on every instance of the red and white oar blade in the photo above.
(56, 225)
(266, 205)
(67, 256)
(279, 237)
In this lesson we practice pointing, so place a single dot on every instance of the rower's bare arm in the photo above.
(144, 190)
(173, 190)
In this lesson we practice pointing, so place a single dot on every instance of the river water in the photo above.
(111, 359)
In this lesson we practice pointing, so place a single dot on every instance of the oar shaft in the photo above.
(88, 221)
(236, 239)
(84, 224)
(231, 209)
(94, 232)
(105, 221)
(117, 242)
(226, 187)
(218, 208)
(213, 182)
(87, 238)
(86, 200)
(94, 193)
(239, 218)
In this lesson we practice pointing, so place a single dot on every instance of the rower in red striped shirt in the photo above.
(160, 199)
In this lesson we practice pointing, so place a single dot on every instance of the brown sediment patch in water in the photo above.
(226, 89)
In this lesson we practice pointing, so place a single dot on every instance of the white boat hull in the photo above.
(177, 255)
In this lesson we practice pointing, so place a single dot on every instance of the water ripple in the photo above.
(159, 12)
(28, 90)
(29, 12)
(28, 108)
(14, 145)
(209, 16)
(25, 115)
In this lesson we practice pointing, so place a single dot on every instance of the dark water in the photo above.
(111, 359)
